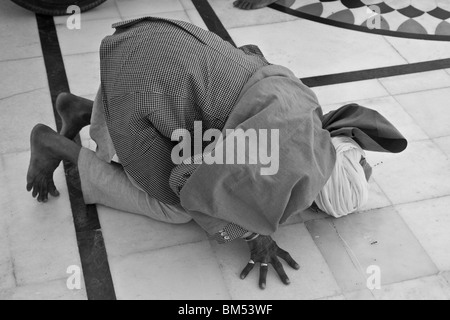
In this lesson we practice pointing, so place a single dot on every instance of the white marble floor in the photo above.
(403, 229)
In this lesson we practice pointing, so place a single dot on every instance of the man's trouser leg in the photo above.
(106, 183)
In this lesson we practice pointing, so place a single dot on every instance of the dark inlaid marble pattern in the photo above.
(431, 17)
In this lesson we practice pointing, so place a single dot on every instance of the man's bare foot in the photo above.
(252, 4)
(43, 163)
(75, 113)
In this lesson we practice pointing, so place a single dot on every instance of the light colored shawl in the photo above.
(347, 190)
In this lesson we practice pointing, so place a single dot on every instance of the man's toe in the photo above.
(44, 193)
(35, 191)
(241, 4)
(54, 192)
(40, 193)
(52, 189)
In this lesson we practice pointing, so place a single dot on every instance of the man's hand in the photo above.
(264, 250)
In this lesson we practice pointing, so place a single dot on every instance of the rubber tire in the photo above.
(55, 7)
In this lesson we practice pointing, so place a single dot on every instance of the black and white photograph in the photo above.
(224, 155)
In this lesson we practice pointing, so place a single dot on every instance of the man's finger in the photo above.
(280, 270)
(263, 275)
(287, 257)
(247, 269)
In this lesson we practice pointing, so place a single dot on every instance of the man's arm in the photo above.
(219, 230)
(262, 248)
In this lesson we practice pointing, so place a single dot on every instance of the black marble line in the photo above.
(377, 73)
(91, 245)
(344, 25)
(211, 20)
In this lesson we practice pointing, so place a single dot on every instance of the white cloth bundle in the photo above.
(347, 190)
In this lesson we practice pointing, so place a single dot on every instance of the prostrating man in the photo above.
(160, 79)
